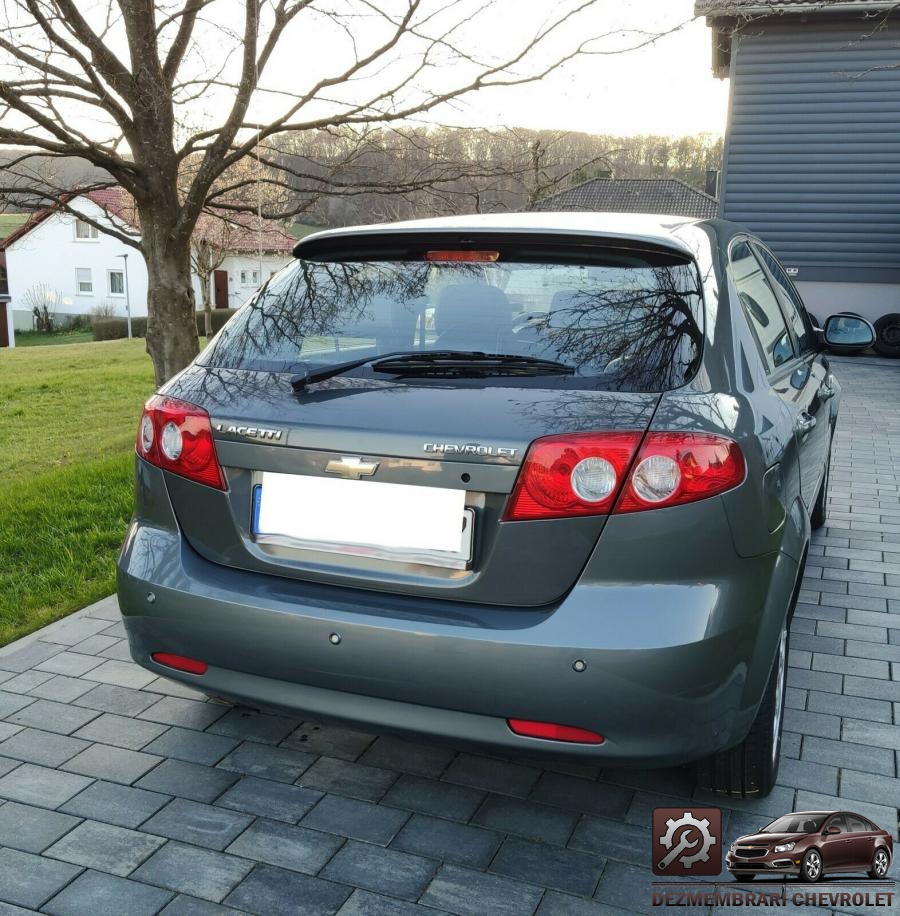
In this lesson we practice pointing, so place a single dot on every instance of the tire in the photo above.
(811, 868)
(881, 862)
(887, 336)
(751, 768)
(819, 512)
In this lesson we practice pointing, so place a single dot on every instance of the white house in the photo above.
(61, 259)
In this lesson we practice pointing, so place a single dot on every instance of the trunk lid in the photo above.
(468, 435)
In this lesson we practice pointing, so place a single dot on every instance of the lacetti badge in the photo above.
(470, 448)
(250, 432)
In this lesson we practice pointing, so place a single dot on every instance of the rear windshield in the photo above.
(626, 322)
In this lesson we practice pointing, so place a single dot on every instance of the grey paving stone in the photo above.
(356, 819)
(270, 799)
(26, 681)
(94, 893)
(432, 796)
(74, 629)
(537, 863)
(812, 723)
(408, 756)
(62, 689)
(28, 880)
(328, 740)
(860, 667)
(11, 703)
(803, 774)
(115, 764)
(527, 819)
(72, 664)
(871, 688)
(122, 674)
(186, 713)
(40, 786)
(492, 775)
(28, 656)
(471, 893)
(277, 843)
(105, 847)
(860, 649)
(194, 871)
(582, 795)
(53, 717)
(628, 887)
(365, 903)
(844, 754)
(124, 806)
(121, 651)
(192, 822)
(121, 700)
(251, 726)
(253, 759)
(612, 840)
(881, 790)
(46, 748)
(183, 905)
(278, 892)
(94, 645)
(873, 734)
(385, 871)
(854, 707)
(344, 777)
(556, 904)
(172, 688)
(188, 780)
(192, 746)
(32, 829)
(448, 841)
(120, 731)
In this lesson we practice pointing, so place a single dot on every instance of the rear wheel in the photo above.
(887, 336)
(820, 509)
(880, 863)
(750, 769)
(811, 867)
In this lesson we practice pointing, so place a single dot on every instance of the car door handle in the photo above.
(806, 423)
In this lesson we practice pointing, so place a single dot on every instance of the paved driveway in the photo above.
(124, 794)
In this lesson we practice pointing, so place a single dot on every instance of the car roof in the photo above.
(653, 229)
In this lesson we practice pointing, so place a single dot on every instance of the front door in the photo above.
(4, 327)
(220, 285)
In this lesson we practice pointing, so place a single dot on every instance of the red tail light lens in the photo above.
(577, 474)
(180, 662)
(177, 436)
(676, 468)
(552, 732)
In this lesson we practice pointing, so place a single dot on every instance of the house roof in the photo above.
(634, 195)
(238, 232)
(762, 7)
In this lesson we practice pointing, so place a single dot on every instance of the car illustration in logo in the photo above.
(812, 844)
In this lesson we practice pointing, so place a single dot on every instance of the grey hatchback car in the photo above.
(540, 482)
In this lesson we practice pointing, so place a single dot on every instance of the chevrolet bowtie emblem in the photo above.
(351, 468)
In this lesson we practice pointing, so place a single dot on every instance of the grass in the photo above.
(66, 437)
(36, 339)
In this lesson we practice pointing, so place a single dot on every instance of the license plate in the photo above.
(407, 524)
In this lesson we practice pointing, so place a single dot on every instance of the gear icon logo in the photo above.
(687, 842)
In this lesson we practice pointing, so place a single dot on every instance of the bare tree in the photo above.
(209, 248)
(128, 85)
(42, 300)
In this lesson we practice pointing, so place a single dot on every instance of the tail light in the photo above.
(584, 473)
(177, 436)
(553, 732)
(180, 662)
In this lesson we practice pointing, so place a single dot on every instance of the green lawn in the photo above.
(68, 416)
(34, 339)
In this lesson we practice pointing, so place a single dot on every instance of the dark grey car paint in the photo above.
(676, 612)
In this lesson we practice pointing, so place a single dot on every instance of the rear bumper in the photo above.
(673, 671)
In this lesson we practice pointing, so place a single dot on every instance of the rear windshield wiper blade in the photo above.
(299, 382)
(463, 363)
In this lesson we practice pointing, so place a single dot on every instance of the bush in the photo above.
(117, 328)
(218, 317)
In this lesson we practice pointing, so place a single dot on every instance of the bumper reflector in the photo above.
(553, 732)
(179, 662)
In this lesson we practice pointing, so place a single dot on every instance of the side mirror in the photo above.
(848, 333)
(831, 830)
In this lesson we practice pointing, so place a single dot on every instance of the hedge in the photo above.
(117, 328)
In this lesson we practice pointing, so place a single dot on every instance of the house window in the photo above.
(84, 283)
(116, 282)
(250, 278)
(85, 232)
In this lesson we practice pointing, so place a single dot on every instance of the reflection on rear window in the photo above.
(626, 323)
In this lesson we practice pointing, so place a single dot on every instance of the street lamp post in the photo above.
(127, 296)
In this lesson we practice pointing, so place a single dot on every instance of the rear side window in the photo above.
(857, 824)
(624, 321)
(790, 299)
(760, 305)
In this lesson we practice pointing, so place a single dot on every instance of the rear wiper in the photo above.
(464, 363)
(299, 382)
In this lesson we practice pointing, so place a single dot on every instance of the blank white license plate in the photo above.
(398, 522)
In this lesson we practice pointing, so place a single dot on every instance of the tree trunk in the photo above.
(172, 340)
